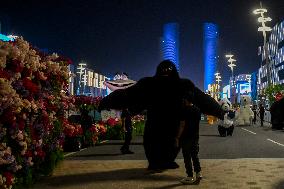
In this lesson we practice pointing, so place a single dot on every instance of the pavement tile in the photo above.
(131, 174)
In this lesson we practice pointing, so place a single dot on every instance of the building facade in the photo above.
(88, 82)
(275, 46)
(170, 43)
(239, 85)
(210, 41)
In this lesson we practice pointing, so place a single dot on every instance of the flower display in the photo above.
(33, 102)
(72, 130)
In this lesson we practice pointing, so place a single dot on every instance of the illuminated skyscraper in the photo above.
(210, 40)
(170, 43)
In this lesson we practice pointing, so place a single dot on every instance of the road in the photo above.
(246, 142)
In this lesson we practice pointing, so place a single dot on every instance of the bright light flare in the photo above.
(259, 11)
(263, 19)
(264, 29)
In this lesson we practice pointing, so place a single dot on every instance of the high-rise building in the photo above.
(170, 43)
(89, 82)
(275, 58)
(210, 40)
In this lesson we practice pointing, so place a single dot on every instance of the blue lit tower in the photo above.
(170, 43)
(210, 40)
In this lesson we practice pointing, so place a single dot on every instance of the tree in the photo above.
(272, 90)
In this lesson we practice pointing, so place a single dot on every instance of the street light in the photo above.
(263, 28)
(218, 80)
(231, 62)
(231, 65)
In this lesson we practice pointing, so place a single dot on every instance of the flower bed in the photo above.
(33, 100)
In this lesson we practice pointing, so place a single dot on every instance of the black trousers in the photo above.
(127, 139)
(190, 150)
(261, 120)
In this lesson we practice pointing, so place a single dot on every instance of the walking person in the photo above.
(127, 128)
(188, 139)
(261, 114)
(254, 114)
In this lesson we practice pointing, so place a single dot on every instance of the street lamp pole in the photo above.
(218, 80)
(263, 28)
(231, 65)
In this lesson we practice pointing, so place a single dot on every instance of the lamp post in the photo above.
(218, 80)
(82, 77)
(263, 28)
(231, 62)
(231, 65)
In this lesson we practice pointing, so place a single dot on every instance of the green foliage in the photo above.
(272, 90)
(114, 132)
(138, 128)
(51, 161)
(88, 138)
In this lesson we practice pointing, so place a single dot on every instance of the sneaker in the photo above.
(187, 180)
(199, 175)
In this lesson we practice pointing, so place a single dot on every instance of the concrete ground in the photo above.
(103, 167)
(130, 174)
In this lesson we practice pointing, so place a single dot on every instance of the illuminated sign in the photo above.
(7, 38)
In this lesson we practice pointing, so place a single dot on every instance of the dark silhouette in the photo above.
(161, 95)
(188, 136)
(277, 114)
(261, 114)
(254, 114)
(127, 128)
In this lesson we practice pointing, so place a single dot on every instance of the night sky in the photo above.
(123, 35)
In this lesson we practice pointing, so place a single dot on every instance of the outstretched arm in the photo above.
(131, 98)
(207, 104)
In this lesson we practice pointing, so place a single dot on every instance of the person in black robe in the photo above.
(161, 96)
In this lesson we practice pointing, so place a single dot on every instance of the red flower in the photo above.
(21, 124)
(40, 153)
(4, 74)
(29, 85)
(9, 178)
(16, 66)
(26, 72)
(111, 122)
(8, 117)
(29, 153)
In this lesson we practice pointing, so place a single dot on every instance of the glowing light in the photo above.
(13, 37)
(229, 55)
(5, 38)
(210, 52)
(262, 19)
(259, 11)
(264, 29)
(170, 43)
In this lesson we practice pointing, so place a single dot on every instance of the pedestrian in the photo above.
(161, 97)
(261, 114)
(254, 114)
(188, 139)
(127, 128)
(86, 122)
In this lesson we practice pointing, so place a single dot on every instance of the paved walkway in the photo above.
(131, 174)
(102, 167)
